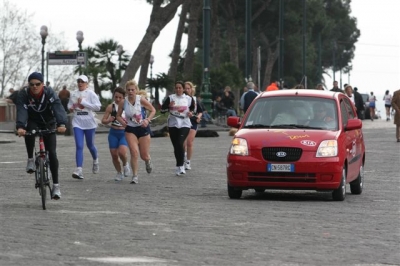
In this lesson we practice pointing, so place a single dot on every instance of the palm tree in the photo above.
(161, 81)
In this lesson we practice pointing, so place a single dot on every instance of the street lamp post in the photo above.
(151, 74)
(206, 95)
(79, 38)
(43, 33)
(120, 50)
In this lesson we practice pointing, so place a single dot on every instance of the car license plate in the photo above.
(273, 167)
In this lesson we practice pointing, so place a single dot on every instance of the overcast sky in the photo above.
(376, 66)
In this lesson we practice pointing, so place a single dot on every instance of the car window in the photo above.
(349, 108)
(343, 113)
(293, 111)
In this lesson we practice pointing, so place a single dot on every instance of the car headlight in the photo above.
(239, 147)
(327, 148)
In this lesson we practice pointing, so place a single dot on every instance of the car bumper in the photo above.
(246, 172)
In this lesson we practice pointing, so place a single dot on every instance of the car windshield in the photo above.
(293, 112)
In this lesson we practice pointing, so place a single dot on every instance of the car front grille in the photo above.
(292, 154)
(282, 177)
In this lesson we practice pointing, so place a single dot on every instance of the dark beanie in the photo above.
(35, 75)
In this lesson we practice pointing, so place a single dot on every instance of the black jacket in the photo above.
(358, 101)
(46, 111)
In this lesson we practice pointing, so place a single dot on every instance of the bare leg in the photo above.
(133, 144)
(115, 160)
(144, 147)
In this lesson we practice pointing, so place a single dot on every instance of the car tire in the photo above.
(234, 193)
(259, 190)
(356, 186)
(339, 194)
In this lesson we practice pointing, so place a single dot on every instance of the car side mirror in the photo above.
(353, 124)
(234, 121)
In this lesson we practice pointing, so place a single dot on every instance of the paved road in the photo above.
(170, 220)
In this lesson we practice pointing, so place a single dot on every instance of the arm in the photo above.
(165, 105)
(58, 110)
(93, 103)
(119, 113)
(107, 118)
(146, 104)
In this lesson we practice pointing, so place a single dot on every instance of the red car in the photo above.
(297, 139)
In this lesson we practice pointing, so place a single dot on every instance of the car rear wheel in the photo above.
(356, 186)
(339, 194)
(234, 193)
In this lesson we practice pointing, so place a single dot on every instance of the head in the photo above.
(11, 90)
(387, 92)
(47, 83)
(131, 88)
(299, 87)
(335, 84)
(142, 93)
(319, 110)
(64, 87)
(319, 87)
(189, 88)
(348, 90)
(179, 88)
(118, 94)
(250, 85)
(35, 81)
(227, 89)
(372, 93)
(355, 89)
(345, 85)
(82, 81)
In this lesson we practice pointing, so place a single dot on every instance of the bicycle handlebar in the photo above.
(40, 132)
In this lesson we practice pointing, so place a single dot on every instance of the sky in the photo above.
(376, 65)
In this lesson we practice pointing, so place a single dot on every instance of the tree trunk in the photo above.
(144, 70)
(215, 36)
(176, 52)
(160, 17)
(230, 10)
(193, 20)
(272, 56)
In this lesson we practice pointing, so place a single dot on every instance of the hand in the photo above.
(171, 104)
(61, 129)
(145, 122)
(111, 118)
(21, 132)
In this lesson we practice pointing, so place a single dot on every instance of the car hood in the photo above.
(300, 138)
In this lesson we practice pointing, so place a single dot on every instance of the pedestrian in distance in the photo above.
(190, 90)
(396, 106)
(319, 87)
(274, 86)
(12, 98)
(248, 97)
(64, 96)
(181, 108)
(372, 100)
(137, 129)
(228, 99)
(388, 104)
(359, 103)
(335, 87)
(83, 103)
(116, 136)
(39, 107)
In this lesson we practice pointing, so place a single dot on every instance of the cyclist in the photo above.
(38, 107)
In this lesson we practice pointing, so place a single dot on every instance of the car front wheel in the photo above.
(234, 193)
(339, 194)
(356, 186)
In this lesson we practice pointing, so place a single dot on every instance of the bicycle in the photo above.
(42, 164)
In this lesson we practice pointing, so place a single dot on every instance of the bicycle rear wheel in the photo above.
(42, 181)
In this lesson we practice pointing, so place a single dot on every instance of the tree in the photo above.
(159, 18)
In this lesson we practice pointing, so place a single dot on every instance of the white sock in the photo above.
(56, 185)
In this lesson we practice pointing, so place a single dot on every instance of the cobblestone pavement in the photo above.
(189, 220)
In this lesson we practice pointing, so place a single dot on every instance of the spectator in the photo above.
(319, 87)
(248, 97)
(274, 86)
(359, 103)
(396, 106)
(335, 87)
(13, 96)
(206, 116)
(228, 99)
(64, 95)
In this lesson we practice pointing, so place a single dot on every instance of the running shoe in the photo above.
(30, 166)
(135, 179)
(119, 177)
(149, 166)
(127, 170)
(56, 193)
(96, 167)
(77, 174)
(187, 165)
(180, 170)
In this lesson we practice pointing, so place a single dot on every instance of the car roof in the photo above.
(306, 93)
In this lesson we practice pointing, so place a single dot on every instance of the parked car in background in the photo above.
(297, 139)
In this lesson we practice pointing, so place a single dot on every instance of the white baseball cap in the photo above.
(83, 78)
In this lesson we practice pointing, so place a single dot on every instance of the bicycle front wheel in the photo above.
(42, 181)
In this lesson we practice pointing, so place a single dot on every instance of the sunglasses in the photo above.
(35, 84)
(80, 81)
